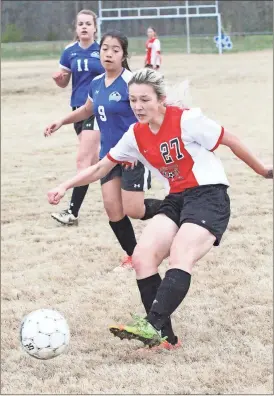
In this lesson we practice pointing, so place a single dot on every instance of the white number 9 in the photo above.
(101, 111)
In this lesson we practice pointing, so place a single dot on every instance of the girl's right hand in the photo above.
(59, 76)
(52, 128)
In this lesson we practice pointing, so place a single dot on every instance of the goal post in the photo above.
(186, 11)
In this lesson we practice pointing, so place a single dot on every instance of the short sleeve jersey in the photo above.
(84, 64)
(112, 109)
(181, 154)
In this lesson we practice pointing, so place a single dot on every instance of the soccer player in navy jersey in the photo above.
(178, 145)
(122, 188)
(80, 61)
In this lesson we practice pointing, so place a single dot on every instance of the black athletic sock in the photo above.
(125, 234)
(77, 198)
(148, 288)
(170, 294)
(152, 206)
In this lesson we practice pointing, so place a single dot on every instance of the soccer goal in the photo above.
(186, 11)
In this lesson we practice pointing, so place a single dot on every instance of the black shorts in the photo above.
(136, 179)
(87, 124)
(207, 206)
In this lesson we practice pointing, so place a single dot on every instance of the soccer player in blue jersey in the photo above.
(122, 189)
(81, 62)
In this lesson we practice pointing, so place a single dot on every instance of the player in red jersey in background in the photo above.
(153, 50)
(178, 145)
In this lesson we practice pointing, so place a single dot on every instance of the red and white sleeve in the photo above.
(198, 128)
(126, 150)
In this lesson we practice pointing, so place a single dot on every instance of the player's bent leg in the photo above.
(151, 250)
(133, 203)
(153, 246)
(190, 244)
(204, 218)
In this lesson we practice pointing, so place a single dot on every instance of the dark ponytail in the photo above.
(125, 64)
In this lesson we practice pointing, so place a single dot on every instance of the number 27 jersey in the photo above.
(181, 154)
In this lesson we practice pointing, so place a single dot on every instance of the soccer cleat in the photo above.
(167, 345)
(140, 330)
(65, 217)
(127, 262)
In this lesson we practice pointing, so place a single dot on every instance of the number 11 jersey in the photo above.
(84, 64)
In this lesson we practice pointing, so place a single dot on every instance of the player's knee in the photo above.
(82, 162)
(137, 262)
(143, 260)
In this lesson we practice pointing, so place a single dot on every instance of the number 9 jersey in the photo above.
(112, 109)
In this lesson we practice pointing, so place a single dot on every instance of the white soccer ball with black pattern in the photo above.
(44, 334)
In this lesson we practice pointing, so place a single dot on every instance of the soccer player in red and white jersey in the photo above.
(153, 50)
(178, 145)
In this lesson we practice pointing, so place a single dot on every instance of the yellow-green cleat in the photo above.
(140, 330)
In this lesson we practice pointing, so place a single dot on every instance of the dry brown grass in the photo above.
(226, 320)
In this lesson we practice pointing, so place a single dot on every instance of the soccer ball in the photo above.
(44, 334)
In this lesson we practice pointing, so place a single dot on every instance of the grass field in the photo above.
(225, 323)
(52, 49)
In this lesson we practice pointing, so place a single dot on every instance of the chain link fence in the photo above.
(53, 21)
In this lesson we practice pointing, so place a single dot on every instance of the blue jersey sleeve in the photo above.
(64, 61)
